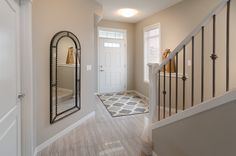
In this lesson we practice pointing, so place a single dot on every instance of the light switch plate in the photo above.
(89, 67)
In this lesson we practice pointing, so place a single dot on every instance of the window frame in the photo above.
(146, 29)
(107, 29)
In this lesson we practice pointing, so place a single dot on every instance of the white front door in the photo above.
(112, 65)
(9, 79)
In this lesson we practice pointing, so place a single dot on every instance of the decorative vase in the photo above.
(70, 56)
(169, 68)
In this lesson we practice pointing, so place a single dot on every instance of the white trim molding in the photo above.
(28, 136)
(139, 94)
(62, 133)
(173, 75)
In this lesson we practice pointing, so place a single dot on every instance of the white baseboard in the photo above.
(139, 94)
(154, 154)
(62, 133)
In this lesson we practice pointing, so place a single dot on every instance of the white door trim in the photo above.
(28, 133)
(125, 55)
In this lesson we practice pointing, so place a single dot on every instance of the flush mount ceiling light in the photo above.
(127, 12)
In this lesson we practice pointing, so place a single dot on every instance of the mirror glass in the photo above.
(64, 76)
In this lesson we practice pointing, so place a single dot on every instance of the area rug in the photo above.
(124, 103)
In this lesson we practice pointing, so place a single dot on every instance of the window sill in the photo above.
(173, 75)
(67, 65)
(180, 75)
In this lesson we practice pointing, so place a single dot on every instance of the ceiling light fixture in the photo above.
(127, 12)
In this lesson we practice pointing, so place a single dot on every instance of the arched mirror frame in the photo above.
(54, 46)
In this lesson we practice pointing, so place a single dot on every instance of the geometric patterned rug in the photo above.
(124, 103)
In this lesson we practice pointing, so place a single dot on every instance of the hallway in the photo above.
(102, 135)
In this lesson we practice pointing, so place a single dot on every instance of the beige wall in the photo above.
(173, 34)
(210, 133)
(176, 23)
(49, 17)
(130, 47)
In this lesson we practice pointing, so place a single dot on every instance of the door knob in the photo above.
(21, 96)
(101, 70)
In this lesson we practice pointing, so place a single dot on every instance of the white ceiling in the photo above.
(145, 8)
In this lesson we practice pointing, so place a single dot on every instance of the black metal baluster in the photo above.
(184, 75)
(202, 65)
(170, 89)
(164, 93)
(159, 96)
(192, 99)
(176, 85)
(227, 44)
(214, 57)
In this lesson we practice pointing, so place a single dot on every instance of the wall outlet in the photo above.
(89, 67)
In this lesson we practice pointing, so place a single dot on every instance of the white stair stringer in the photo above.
(205, 106)
(207, 129)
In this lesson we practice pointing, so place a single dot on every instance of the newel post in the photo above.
(153, 93)
(151, 118)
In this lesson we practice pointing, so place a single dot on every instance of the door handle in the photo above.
(21, 96)
(101, 70)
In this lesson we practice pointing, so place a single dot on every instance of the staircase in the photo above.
(206, 85)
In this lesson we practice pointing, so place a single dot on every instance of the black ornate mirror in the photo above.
(65, 75)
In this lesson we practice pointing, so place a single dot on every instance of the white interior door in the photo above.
(9, 79)
(112, 65)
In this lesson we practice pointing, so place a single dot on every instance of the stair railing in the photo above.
(156, 94)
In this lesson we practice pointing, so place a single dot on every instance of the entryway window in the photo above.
(111, 34)
(152, 52)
